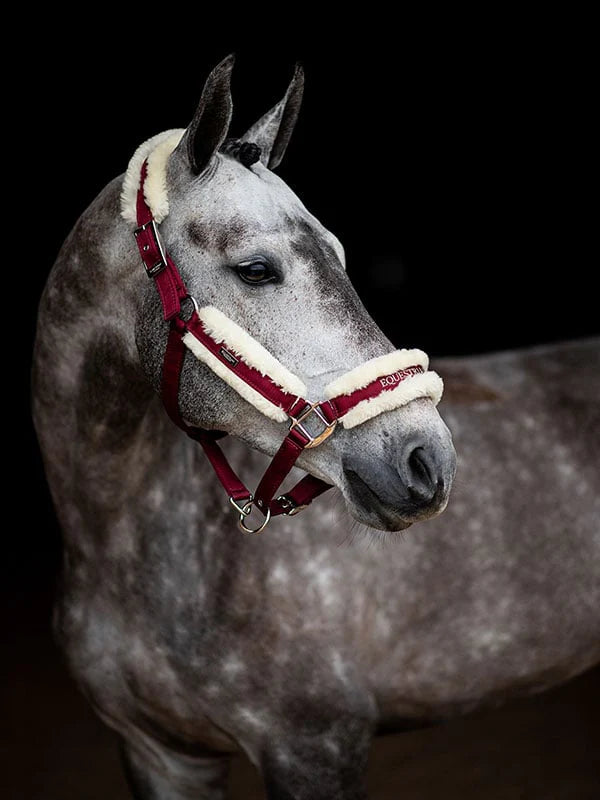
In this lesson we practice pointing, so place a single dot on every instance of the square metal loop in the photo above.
(313, 441)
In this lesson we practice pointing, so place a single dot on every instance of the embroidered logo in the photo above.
(398, 377)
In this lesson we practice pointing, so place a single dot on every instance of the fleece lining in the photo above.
(157, 150)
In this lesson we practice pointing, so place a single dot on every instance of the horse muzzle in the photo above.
(407, 480)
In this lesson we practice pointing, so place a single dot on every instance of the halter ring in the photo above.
(194, 303)
(245, 511)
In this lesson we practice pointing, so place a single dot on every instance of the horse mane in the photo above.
(247, 153)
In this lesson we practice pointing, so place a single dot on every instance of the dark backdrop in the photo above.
(452, 159)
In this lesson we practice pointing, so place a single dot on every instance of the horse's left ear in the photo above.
(273, 131)
(208, 129)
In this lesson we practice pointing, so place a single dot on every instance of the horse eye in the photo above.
(255, 272)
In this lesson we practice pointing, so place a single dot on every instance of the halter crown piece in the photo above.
(380, 384)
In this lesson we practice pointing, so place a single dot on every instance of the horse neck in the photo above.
(92, 405)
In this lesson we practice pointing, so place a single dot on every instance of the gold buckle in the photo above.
(313, 441)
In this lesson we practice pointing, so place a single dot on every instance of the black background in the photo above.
(452, 156)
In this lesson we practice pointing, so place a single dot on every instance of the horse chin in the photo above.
(369, 509)
(381, 518)
(365, 507)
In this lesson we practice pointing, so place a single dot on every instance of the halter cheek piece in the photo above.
(378, 385)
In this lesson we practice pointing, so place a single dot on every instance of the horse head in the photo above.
(245, 244)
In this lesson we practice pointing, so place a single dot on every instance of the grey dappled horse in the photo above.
(192, 640)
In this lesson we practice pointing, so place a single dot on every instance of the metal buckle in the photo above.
(288, 503)
(161, 264)
(313, 441)
(245, 511)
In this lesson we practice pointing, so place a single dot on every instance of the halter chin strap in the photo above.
(378, 385)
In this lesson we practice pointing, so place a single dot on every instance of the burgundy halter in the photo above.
(172, 291)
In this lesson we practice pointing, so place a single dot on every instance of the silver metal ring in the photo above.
(245, 512)
(192, 299)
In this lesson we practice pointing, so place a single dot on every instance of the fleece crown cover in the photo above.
(156, 151)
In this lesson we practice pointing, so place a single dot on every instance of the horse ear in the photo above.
(208, 129)
(273, 132)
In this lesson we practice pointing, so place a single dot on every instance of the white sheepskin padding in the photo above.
(428, 384)
(247, 392)
(378, 367)
(157, 150)
(223, 329)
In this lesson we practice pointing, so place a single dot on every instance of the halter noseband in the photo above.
(378, 385)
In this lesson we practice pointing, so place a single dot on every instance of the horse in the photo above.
(297, 646)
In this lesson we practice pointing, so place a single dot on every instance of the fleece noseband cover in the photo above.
(395, 387)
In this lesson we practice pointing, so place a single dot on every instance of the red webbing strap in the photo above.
(158, 264)
(302, 495)
(283, 461)
(171, 375)
(261, 383)
(223, 470)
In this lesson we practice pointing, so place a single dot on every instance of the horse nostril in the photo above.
(422, 481)
(413, 482)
